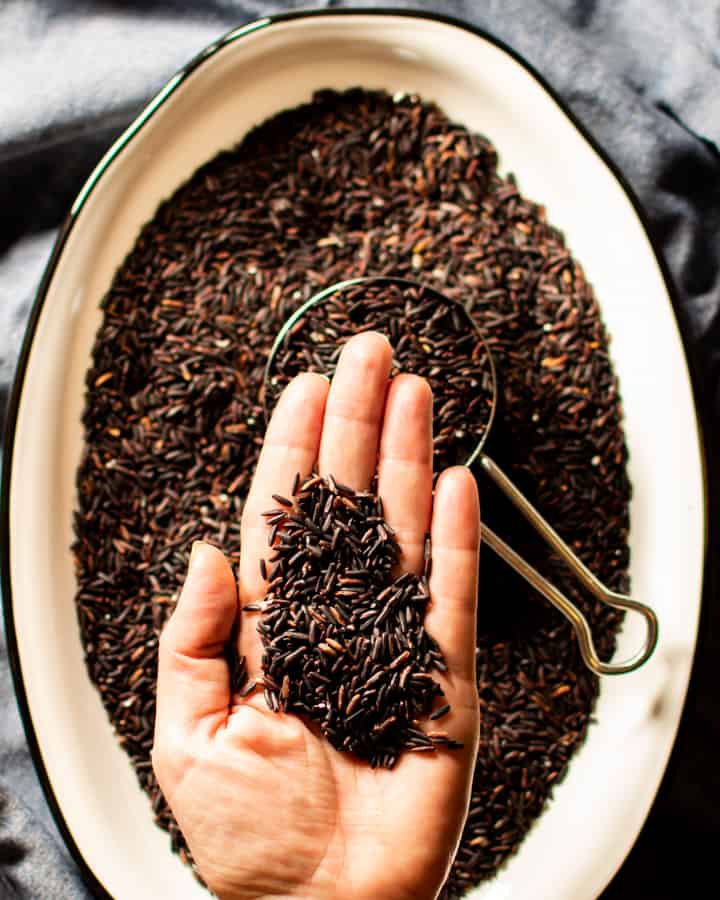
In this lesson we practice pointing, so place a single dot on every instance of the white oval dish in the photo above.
(584, 835)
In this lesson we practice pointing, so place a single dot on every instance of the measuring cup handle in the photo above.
(586, 577)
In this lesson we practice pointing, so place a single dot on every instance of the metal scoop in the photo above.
(494, 541)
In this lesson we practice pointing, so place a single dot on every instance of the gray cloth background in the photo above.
(644, 78)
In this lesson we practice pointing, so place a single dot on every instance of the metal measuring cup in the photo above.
(478, 456)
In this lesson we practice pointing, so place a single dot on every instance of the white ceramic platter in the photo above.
(253, 73)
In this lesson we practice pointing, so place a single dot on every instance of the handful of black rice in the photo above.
(345, 640)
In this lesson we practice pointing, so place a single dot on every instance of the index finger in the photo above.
(291, 447)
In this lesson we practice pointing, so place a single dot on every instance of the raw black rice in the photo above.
(344, 640)
(348, 185)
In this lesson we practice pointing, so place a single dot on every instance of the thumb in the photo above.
(193, 675)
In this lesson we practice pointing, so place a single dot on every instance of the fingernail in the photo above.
(198, 556)
(194, 551)
(199, 553)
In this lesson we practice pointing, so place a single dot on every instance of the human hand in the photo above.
(267, 806)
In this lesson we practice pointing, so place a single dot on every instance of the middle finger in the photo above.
(354, 411)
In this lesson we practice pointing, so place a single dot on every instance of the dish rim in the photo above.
(113, 152)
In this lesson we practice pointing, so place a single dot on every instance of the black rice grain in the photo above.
(361, 639)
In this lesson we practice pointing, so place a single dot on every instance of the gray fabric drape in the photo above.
(642, 75)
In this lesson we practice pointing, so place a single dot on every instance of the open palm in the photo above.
(267, 806)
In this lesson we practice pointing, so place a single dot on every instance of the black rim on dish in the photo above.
(115, 150)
